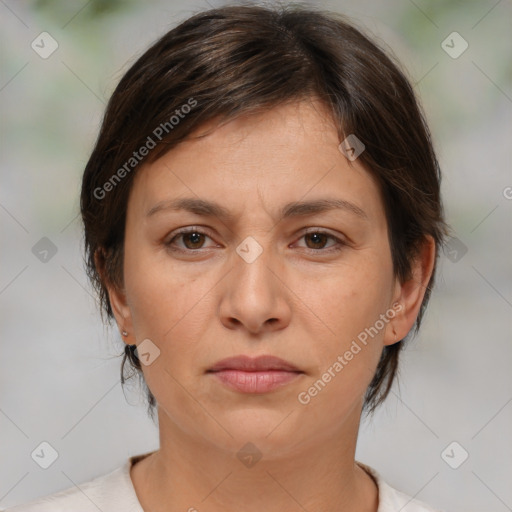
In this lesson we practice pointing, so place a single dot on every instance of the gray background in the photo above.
(59, 366)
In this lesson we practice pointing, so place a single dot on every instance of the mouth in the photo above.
(255, 375)
(254, 364)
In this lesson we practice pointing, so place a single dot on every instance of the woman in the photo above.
(262, 220)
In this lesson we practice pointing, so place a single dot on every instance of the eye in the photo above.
(192, 239)
(318, 239)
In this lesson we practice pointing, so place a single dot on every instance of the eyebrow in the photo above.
(294, 209)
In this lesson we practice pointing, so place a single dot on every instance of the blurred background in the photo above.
(444, 434)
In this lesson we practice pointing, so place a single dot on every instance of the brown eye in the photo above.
(195, 238)
(191, 239)
(318, 240)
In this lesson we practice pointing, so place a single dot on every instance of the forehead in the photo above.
(284, 154)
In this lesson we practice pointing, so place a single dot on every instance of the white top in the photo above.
(114, 492)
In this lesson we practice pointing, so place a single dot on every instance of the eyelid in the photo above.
(184, 231)
(341, 240)
(324, 231)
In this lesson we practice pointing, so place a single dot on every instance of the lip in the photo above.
(254, 364)
(255, 375)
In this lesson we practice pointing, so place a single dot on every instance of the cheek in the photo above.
(168, 307)
(353, 304)
(171, 307)
(160, 295)
(350, 297)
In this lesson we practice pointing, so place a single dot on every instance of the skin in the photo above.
(299, 300)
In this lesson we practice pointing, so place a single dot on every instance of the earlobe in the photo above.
(409, 294)
(117, 299)
(121, 311)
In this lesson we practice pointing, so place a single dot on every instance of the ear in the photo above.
(117, 298)
(409, 294)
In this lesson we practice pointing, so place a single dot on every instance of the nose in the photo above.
(255, 296)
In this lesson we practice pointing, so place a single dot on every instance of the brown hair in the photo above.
(234, 60)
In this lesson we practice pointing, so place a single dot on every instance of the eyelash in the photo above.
(185, 231)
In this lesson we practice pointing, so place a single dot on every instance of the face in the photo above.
(259, 272)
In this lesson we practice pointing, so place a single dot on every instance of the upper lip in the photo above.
(253, 364)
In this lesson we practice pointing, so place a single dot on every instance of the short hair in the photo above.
(235, 60)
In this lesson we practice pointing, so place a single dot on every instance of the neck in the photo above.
(187, 473)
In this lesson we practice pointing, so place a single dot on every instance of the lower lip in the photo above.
(256, 382)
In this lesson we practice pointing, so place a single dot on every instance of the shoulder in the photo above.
(392, 500)
(113, 492)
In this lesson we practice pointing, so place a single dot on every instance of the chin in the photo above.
(272, 431)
